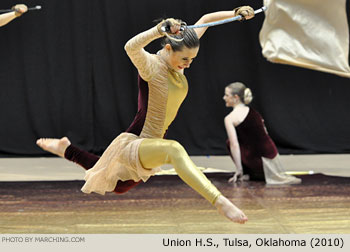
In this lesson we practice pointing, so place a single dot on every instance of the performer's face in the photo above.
(229, 98)
(180, 60)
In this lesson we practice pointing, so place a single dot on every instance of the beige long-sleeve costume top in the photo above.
(166, 89)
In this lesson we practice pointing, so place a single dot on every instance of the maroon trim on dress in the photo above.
(139, 120)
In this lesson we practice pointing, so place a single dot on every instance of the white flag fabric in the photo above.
(307, 33)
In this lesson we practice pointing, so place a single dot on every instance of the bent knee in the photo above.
(175, 148)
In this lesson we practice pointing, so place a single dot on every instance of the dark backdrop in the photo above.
(64, 72)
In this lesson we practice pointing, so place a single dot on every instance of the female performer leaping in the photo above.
(136, 154)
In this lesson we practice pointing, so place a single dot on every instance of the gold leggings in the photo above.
(156, 152)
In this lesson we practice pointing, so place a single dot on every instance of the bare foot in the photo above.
(54, 145)
(229, 210)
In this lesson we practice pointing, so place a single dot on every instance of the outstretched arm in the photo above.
(19, 9)
(234, 147)
(245, 11)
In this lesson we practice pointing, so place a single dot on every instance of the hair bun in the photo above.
(248, 96)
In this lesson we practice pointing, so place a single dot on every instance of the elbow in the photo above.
(127, 47)
(235, 150)
(234, 146)
(205, 18)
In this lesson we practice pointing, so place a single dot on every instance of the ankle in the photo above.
(220, 200)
